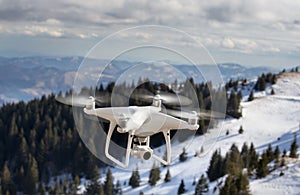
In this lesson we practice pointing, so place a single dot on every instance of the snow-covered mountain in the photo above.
(269, 119)
(29, 77)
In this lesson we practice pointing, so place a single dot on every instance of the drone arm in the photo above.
(168, 146)
(107, 144)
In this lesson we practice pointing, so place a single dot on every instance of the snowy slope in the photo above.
(266, 120)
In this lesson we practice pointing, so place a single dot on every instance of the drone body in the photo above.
(140, 122)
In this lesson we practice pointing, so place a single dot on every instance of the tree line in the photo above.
(39, 141)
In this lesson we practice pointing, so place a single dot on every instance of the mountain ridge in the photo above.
(30, 77)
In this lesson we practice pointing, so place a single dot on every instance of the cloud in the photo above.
(42, 30)
(228, 43)
(237, 25)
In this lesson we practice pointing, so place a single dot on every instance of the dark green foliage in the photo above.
(95, 188)
(251, 96)
(272, 92)
(294, 148)
(168, 176)
(32, 176)
(281, 173)
(229, 186)
(282, 162)
(253, 159)
(45, 143)
(263, 80)
(241, 130)
(233, 161)
(270, 153)
(276, 156)
(262, 167)
(183, 156)
(233, 105)
(245, 155)
(260, 83)
(202, 185)
(154, 175)
(284, 153)
(236, 185)
(181, 188)
(109, 183)
(135, 179)
(227, 132)
(239, 96)
(215, 169)
(6, 181)
(118, 188)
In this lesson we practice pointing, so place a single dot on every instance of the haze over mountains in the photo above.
(30, 77)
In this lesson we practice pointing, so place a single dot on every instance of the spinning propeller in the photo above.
(200, 115)
(102, 100)
(169, 99)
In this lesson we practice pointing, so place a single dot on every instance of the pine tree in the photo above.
(183, 156)
(245, 155)
(253, 158)
(241, 130)
(94, 186)
(201, 101)
(154, 175)
(233, 162)
(233, 105)
(215, 169)
(269, 153)
(168, 176)
(6, 182)
(181, 188)
(201, 186)
(284, 153)
(95, 173)
(276, 156)
(242, 184)
(272, 92)
(32, 176)
(251, 96)
(276, 152)
(262, 168)
(43, 189)
(109, 184)
(282, 162)
(239, 96)
(134, 180)
(101, 190)
(294, 148)
(118, 189)
(229, 187)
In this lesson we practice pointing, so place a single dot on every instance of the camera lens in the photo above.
(147, 155)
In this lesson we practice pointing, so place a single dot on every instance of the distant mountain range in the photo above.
(29, 77)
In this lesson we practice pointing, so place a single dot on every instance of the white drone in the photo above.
(140, 122)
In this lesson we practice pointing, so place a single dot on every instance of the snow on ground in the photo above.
(266, 120)
(274, 184)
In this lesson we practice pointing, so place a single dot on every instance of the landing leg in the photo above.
(128, 150)
(168, 146)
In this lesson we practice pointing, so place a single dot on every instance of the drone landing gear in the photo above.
(168, 146)
(128, 149)
(140, 149)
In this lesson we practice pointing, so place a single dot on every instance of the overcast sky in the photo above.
(253, 32)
